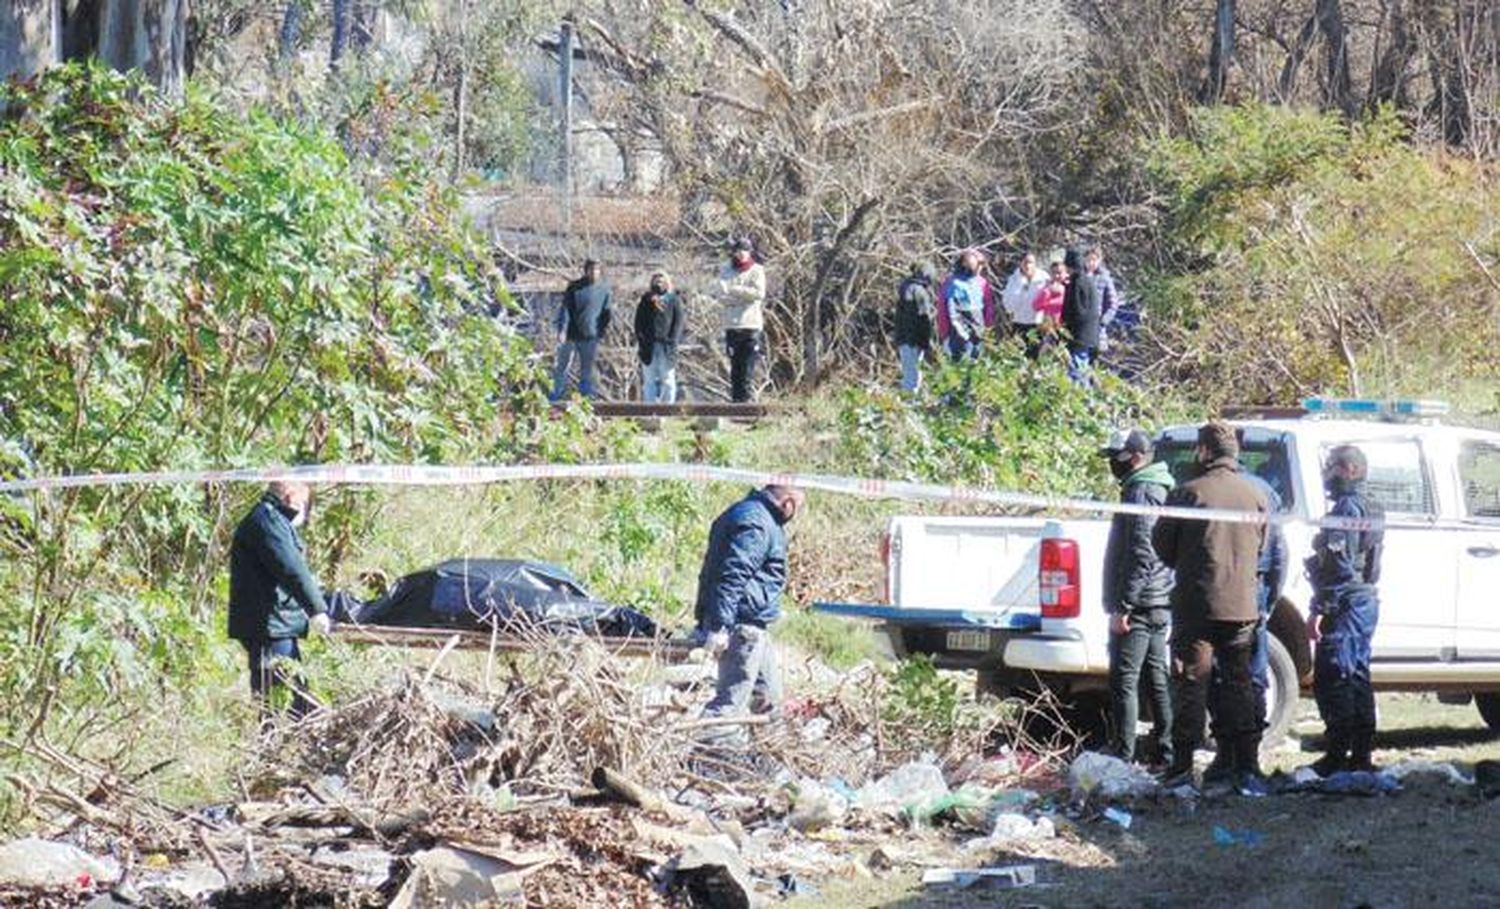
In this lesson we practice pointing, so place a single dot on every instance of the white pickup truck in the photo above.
(969, 592)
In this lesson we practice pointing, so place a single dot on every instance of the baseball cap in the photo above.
(1126, 442)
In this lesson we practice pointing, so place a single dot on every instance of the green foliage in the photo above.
(190, 287)
(1308, 254)
(917, 697)
(1004, 422)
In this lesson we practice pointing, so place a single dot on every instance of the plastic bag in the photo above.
(1095, 774)
(917, 785)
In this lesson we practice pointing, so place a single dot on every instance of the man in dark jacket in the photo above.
(1270, 577)
(582, 320)
(916, 314)
(1137, 595)
(1344, 570)
(739, 594)
(659, 324)
(1214, 610)
(1082, 308)
(273, 599)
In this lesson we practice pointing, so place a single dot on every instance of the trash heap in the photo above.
(582, 779)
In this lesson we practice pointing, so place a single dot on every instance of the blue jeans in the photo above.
(1080, 365)
(585, 351)
(911, 362)
(270, 672)
(960, 349)
(659, 377)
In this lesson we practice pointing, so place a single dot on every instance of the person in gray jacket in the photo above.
(1137, 595)
(582, 320)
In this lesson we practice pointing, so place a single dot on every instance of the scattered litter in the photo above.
(33, 862)
(1442, 769)
(1119, 816)
(713, 875)
(1004, 878)
(815, 806)
(1011, 827)
(915, 784)
(1095, 774)
(1223, 836)
(790, 885)
(447, 876)
(1348, 782)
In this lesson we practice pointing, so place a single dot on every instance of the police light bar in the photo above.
(1370, 407)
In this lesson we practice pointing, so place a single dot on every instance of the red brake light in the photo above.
(1058, 579)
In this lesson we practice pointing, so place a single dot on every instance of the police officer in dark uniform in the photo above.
(1344, 569)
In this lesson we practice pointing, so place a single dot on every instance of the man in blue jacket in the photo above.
(273, 598)
(739, 593)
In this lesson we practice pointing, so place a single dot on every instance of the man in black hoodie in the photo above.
(659, 324)
(1081, 316)
(581, 321)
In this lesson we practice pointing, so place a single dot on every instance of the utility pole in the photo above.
(565, 97)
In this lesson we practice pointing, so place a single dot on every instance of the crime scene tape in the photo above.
(486, 474)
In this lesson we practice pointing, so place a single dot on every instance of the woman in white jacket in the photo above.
(742, 294)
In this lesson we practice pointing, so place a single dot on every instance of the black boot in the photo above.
(1221, 769)
(1248, 780)
(1337, 757)
(1361, 744)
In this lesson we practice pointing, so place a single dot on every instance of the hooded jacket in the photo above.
(1019, 293)
(271, 591)
(916, 309)
(1135, 578)
(742, 293)
(1215, 561)
(973, 285)
(744, 566)
(1082, 306)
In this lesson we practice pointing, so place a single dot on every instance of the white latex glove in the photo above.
(717, 643)
(321, 624)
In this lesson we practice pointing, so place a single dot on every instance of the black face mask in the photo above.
(1121, 469)
(1337, 486)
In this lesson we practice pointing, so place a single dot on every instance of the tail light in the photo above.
(1058, 578)
(885, 566)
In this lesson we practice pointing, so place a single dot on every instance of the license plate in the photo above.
(969, 640)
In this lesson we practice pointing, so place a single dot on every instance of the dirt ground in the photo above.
(1434, 843)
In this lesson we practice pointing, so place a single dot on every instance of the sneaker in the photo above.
(1251, 785)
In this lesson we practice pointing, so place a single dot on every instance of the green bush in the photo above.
(1005, 422)
(187, 286)
(1307, 254)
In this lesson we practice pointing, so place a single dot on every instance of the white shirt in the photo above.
(1018, 294)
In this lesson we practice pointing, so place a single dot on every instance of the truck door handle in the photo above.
(1484, 552)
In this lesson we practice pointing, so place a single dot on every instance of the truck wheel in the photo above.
(1282, 692)
(1489, 708)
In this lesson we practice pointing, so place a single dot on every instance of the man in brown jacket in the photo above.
(1214, 608)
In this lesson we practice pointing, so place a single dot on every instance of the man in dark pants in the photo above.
(1137, 595)
(739, 597)
(1344, 569)
(273, 599)
(742, 296)
(1214, 614)
(582, 321)
(1081, 316)
(1270, 576)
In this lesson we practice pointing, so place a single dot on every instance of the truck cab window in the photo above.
(1479, 474)
(1398, 480)
(1266, 458)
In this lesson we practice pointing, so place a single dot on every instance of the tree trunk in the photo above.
(289, 35)
(30, 37)
(149, 35)
(1221, 53)
(1338, 91)
(1388, 83)
(1294, 58)
(340, 40)
(1450, 98)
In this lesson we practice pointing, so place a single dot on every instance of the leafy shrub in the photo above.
(1004, 422)
(187, 286)
(1308, 254)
